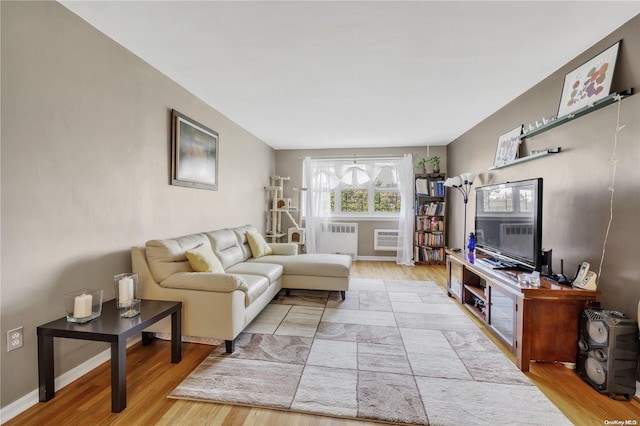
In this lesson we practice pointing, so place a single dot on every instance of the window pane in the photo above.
(354, 200)
(387, 202)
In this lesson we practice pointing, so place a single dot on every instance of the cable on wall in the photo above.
(614, 161)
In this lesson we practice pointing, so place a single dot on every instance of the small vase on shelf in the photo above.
(421, 167)
(435, 160)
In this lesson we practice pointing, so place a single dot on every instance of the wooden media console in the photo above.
(539, 324)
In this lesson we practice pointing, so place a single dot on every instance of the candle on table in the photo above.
(82, 306)
(125, 291)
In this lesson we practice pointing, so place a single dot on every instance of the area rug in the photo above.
(393, 351)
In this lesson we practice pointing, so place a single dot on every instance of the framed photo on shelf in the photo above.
(194, 153)
(507, 148)
(589, 82)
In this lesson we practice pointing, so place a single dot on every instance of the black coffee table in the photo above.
(108, 327)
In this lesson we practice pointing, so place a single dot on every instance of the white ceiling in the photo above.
(325, 74)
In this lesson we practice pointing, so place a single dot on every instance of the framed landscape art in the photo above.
(194, 152)
(507, 148)
(589, 82)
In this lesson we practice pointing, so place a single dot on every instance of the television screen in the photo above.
(508, 222)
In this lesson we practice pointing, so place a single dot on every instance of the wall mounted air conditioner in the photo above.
(385, 239)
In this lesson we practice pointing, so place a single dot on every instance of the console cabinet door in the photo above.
(454, 284)
(502, 314)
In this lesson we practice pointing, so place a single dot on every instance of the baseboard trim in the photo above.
(32, 398)
(377, 258)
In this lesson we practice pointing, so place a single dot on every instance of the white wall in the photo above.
(85, 173)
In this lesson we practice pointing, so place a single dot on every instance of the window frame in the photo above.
(369, 186)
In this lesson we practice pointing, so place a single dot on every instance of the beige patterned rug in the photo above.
(393, 351)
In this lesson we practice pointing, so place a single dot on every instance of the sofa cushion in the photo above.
(202, 259)
(271, 271)
(317, 264)
(241, 237)
(284, 248)
(256, 286)
(258, 245)
(225, 246)
(167, 257)
(252, 285)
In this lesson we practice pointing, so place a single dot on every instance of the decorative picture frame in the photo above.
(589, 82)
(194, 153)
(507, 148)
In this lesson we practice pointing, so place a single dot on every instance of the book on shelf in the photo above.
(437, 188)
(433, 208)
(426, 223)
(428, 254)
(429, 188)
(428, 238)
(422, 187)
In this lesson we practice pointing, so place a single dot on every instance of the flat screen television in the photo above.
(508, 223)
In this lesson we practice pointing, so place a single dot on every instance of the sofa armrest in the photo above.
(206, 281)
(284, 248)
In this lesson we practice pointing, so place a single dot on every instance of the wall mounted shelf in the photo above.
(527, 158)
(601, 103)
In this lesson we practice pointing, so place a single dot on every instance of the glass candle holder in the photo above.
(523, 280)
(83, 305)
(534, 281)
(126, 289)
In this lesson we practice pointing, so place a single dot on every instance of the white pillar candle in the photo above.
(82, 306)
(125, 291)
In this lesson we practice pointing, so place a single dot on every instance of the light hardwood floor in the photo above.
(150, 377)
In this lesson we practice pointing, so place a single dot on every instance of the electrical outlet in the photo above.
(15, 339)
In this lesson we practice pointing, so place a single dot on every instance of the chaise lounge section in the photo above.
(220, 304)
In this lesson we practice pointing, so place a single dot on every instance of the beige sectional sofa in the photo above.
(219, 305)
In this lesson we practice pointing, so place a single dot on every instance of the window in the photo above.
(363, 187)
(353, 200)
(386, 201)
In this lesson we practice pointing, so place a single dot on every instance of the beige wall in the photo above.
(577, 180)
(289, 163)
(85, 172)
(85, 160)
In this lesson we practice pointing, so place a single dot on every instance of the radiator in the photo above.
(385, 239)
(340, 238)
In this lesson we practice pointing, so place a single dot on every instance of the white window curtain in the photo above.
(320, 180)
(322, 177)
(406, 219)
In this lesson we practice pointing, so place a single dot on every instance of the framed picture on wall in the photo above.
(194, 153)
(507, 148)
(589, 82)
